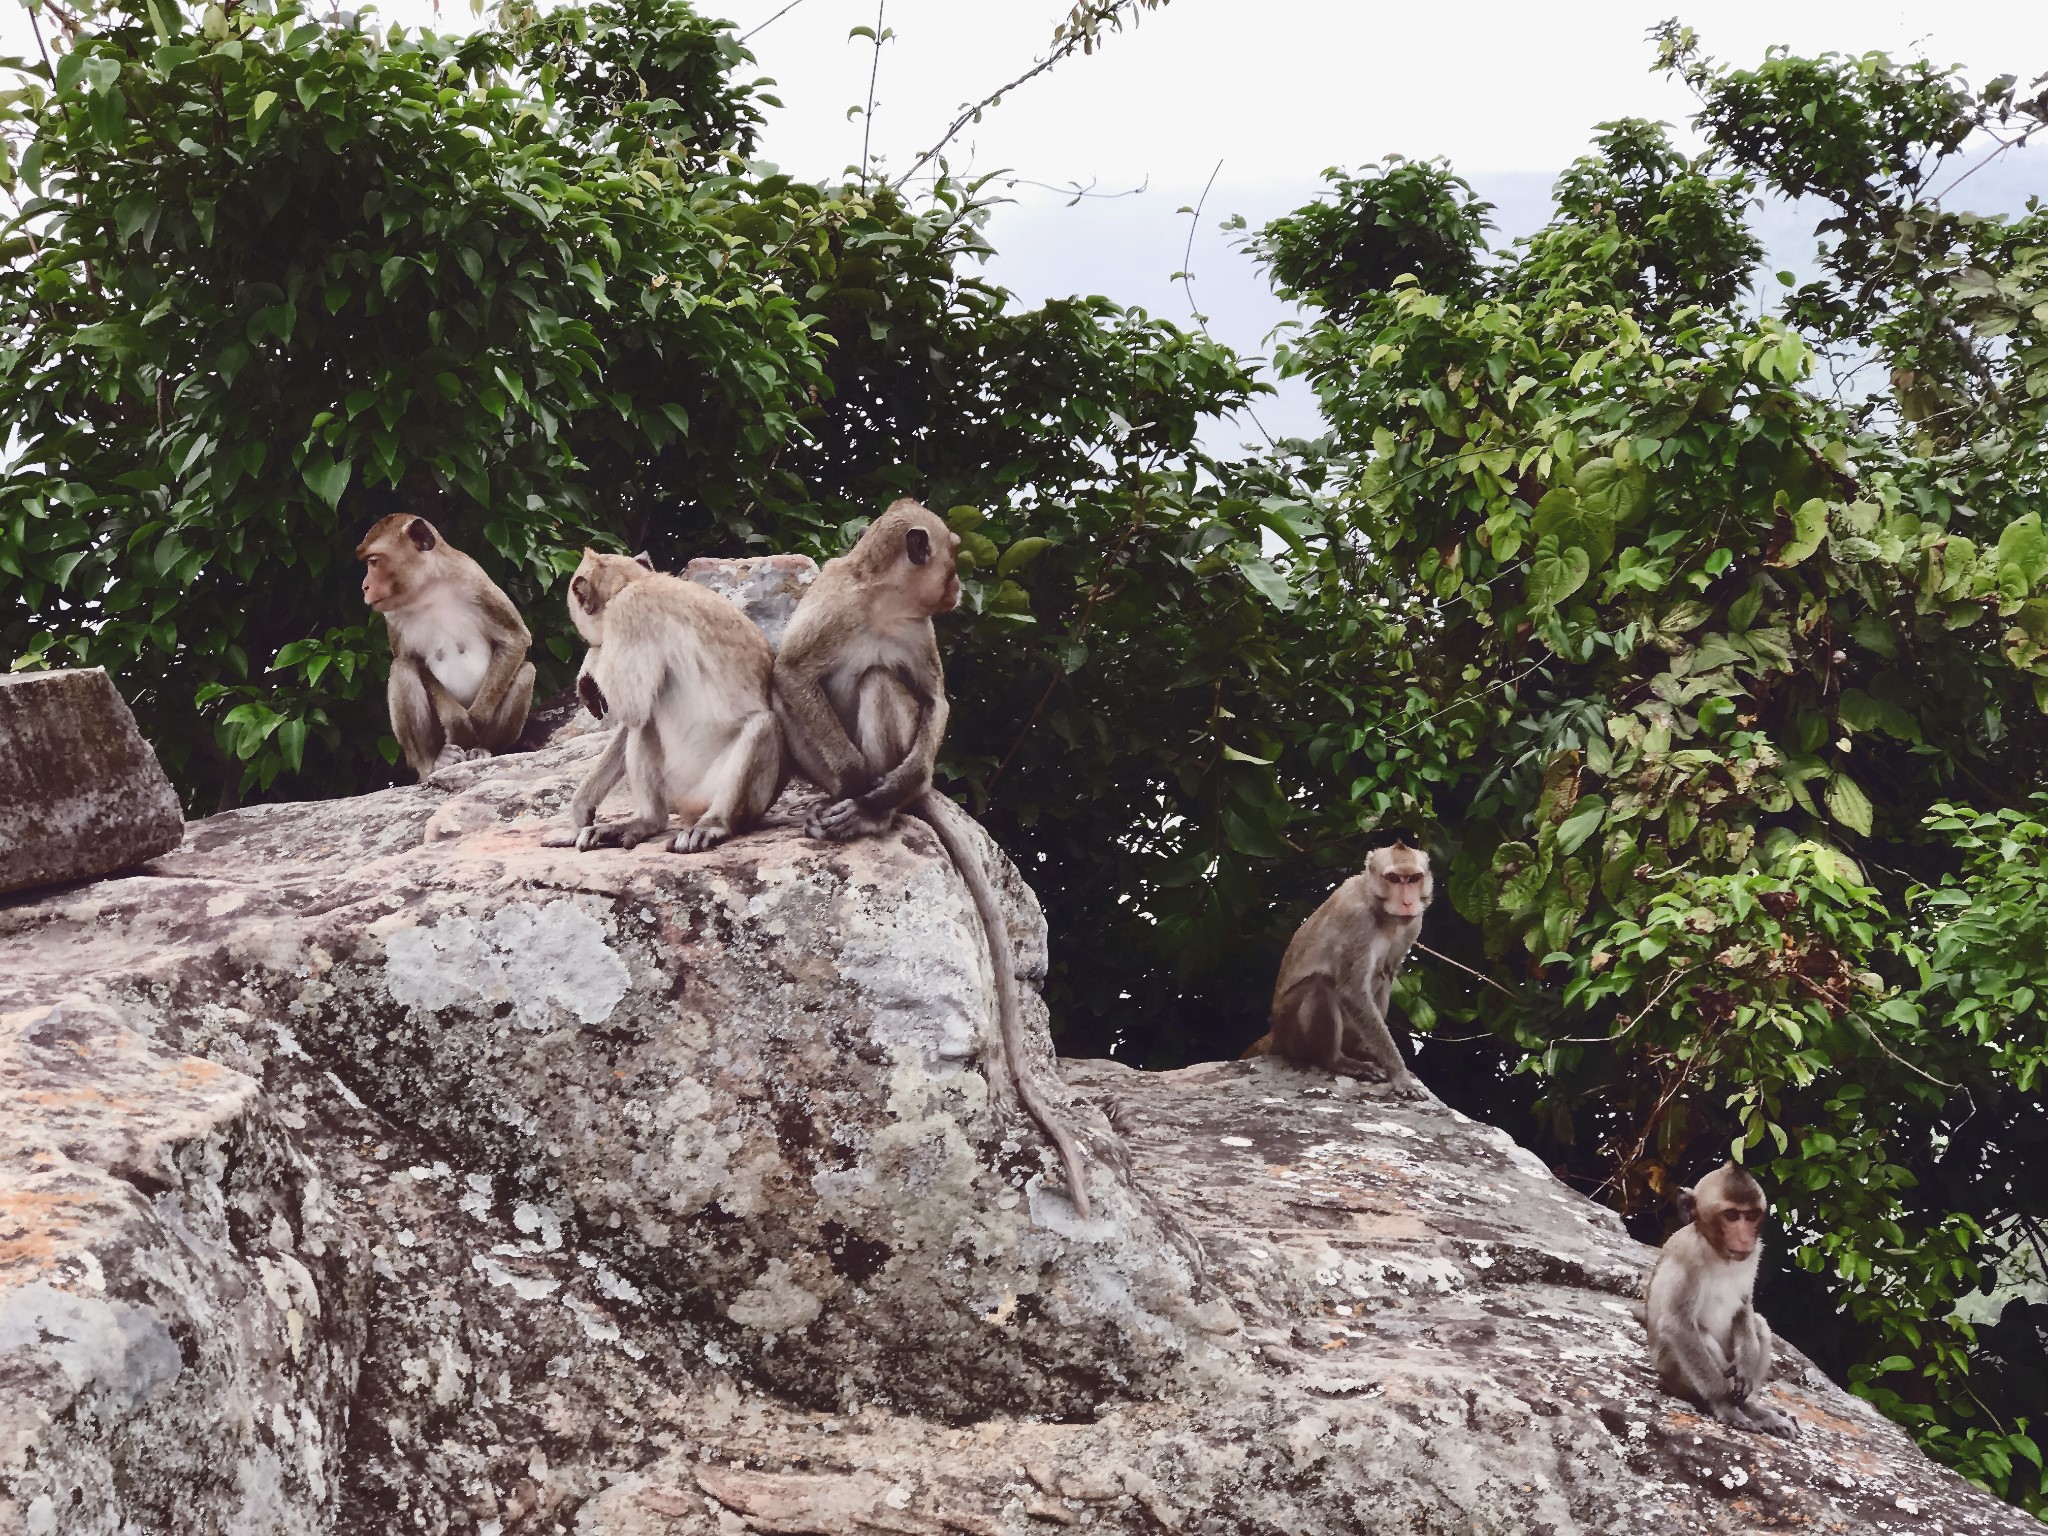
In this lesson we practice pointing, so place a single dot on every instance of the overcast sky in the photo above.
(1273, 92)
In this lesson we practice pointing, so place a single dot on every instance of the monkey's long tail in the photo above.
(938, 812)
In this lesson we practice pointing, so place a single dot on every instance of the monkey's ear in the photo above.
(421, 532)
(586, 597)
(917, 544)
(644, 560)
(1688, 1206)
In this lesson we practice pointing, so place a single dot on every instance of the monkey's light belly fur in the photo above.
(368, 1168)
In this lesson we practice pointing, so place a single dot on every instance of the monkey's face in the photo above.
(934, 556)
(397, 558)
(1733, 1229)
(1403, 880)
(599, 579)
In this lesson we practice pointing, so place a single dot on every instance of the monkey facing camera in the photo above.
(1330, 999)
(1707, 1343)
(460, 682)
(861, 694)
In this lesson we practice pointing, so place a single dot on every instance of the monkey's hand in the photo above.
(1739, 1385)
(1407, 1085)
(450, 755)
(844, 819)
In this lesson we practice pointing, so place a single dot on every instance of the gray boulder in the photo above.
(81, 793)
(366, 1166)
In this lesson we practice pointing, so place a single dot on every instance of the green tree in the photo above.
(1708, 645)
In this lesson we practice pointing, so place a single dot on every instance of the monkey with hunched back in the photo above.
(861, 694)
(460, 682)
(685, 674)
(1707, 1342)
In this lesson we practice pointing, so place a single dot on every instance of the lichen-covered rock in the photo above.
(180, 1320)
(81, 793)
(752, 1080)
(367, 1167)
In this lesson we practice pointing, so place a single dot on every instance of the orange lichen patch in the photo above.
(40, 1227)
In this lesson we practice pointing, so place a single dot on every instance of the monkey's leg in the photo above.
(413, 720)
(741, 786)
(1309, 1027)
(1369, 1036)
(1750, 1371)
(604, 773)
(884, 731)
(647, 777)
(1695, 1367)
(499, 730)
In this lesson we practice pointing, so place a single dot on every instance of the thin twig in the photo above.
(867, 122)
(1476, 975)
(793, 4)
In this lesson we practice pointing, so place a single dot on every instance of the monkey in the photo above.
(1707, 1342)
(688, 675)
(460, 682)
(1330, 999)
(861, 694)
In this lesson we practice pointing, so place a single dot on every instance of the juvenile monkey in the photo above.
(1706, 1341)
(862, 699)
(687, 674)
(1330, 1000)
(460, 682)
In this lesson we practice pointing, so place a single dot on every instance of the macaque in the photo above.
(687, 674)
(1706, 1341)
(862, 699)
(1330, 1001)
(460, 682)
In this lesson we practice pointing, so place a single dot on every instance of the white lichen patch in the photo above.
(775, 1303)
(539, 959)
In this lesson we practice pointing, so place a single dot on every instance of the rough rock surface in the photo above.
(81, 793)
(365, 1167)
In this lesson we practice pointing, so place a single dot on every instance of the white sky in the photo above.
(1275, 91)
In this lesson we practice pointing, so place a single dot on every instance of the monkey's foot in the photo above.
(1409, 1086)
(573, 838)
(699, 838)
(476, 754)
(843, 820)
(448, 757)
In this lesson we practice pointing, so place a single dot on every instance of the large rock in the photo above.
(81, 793)
(368, 1167)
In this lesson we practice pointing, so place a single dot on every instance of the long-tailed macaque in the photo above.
(1330, 1001)
(687, 675)
(862, 699)
(1706, 1341)
(460, 681)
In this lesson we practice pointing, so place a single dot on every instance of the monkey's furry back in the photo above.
(665, 631)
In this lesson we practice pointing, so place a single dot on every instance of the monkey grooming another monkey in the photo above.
(1330, 1000)
(862, 699)
(1706, 1341)
(460, 682)
(687, 674)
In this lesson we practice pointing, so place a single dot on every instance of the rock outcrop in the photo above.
(81, 793)
(365, 1167)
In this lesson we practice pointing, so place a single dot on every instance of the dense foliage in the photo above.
(1707, 638)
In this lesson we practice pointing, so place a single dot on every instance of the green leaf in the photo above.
(1574, 524)
(262, 113)
(1266, 581)
(327, 478)
(1809, 527)
(1617, 492)
(1848, 804)
(1583, 822)
(1555, 574)
(2023, 550)
(962, 519)
(1021, 554)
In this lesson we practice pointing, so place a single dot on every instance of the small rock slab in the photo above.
(81, 793)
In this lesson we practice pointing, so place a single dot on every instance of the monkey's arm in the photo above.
(609, 768)
(818, 739)
(913, 775)
(1369, 1020)
(510, 642)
